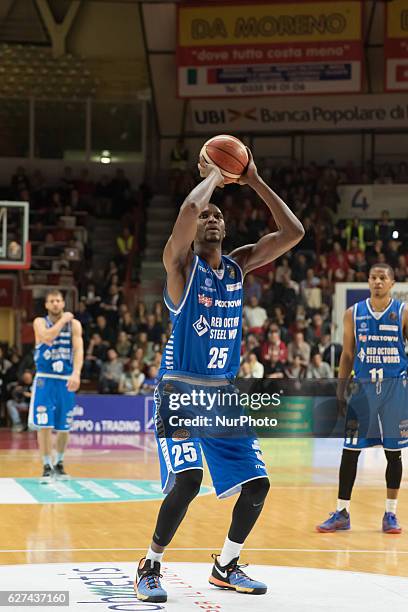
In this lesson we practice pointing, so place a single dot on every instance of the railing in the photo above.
(76, 130)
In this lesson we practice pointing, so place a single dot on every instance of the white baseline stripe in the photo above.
(289, 550)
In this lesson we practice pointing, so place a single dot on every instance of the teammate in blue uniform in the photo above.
(204, 295)
(374, 347)
(58, 359)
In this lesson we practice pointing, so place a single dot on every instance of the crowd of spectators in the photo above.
(287, 317)
(287, 327)
(62, 219)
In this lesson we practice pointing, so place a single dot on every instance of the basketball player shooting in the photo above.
(375, 331)
(58, 359)
(203, 286)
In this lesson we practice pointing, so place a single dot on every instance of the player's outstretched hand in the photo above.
(73, 382)
(251, 173)
(205, 170)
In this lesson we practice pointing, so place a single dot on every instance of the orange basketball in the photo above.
(228, 153)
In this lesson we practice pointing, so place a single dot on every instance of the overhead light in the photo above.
(106, 157)
(395, 234)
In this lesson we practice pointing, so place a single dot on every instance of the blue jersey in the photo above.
(380, 346)
(207, 323)
(56, 358)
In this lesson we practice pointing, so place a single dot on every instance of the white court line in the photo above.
(294, 550)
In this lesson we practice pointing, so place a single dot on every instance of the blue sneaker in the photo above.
(232, 577)
(390, 523)
(338, 521)
(147, 584)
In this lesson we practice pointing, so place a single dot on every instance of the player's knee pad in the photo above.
(187, 485)
(256, 490)
(350, 457)
(393, 472)
(393, 455)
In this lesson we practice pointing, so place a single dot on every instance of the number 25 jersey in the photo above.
(380, 346)
(207, 323)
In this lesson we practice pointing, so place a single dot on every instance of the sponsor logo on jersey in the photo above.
(234, 287)
(361, 355)
(362, 317)
(201, 326)
(362, 337)
(41, 409)
(208, 282)
(228, 303)
(231, 271)
(47, 355)
(363, 325)
(208, 289)
(393, 316)
(205, 300)
(201, 268)
(388, 327)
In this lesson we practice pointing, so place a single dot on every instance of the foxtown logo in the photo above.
(201, 326)
(228, 303)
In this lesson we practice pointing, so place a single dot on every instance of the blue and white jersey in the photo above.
(380, 345)
(207, 323)
(57, 358)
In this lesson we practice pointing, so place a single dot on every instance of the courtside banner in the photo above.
(269, 48)
(113, 414)
(277, 114)
(396, 46)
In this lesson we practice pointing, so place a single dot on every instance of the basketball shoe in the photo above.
(59, 471)
(232, 577)
(390, 523)
(338, 521)
(147, 584)
(47, 474)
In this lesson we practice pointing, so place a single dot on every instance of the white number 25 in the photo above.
(218, 357)
(184, 452)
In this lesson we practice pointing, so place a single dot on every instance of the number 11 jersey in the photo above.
(380, 346)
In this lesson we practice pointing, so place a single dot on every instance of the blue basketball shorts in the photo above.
(377, 415)
(51, 404)
(232, 461)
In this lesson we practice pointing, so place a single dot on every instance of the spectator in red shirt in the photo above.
(338, 264)
(274, 342)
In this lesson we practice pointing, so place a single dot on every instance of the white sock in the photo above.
(230, 551)
(154, 556)
(391, 505)
(343, 504)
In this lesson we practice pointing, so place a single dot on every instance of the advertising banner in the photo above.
(269, 48)
(396, 45)
(367, 201)
(308, 113)
(113, 414)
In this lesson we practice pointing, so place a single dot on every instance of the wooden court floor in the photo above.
(304, 487)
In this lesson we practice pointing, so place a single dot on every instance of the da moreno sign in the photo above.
(309, 113)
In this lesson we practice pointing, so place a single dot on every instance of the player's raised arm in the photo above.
(74, 380)
(46, 335)
(290, 230)
(178, 247)
(347, 355)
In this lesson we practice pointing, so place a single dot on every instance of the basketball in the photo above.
(228, 153)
